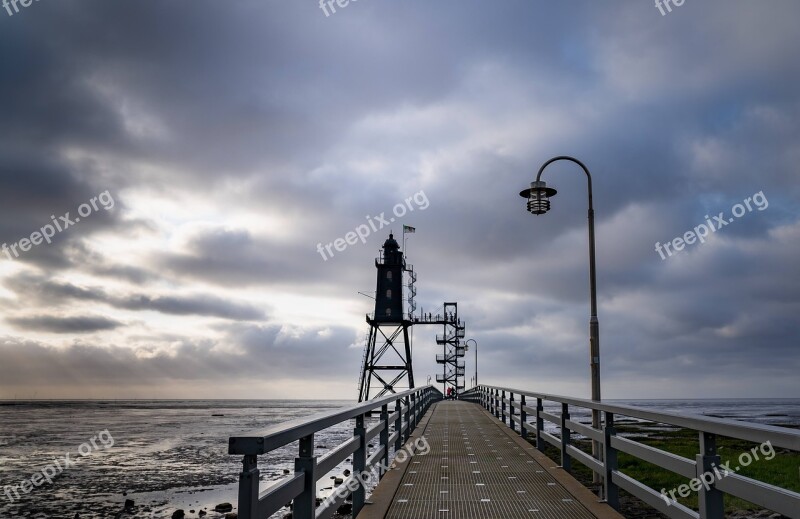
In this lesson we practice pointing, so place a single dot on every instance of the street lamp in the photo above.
(538, 196)
(476, 358)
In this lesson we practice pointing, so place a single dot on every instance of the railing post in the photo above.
(398, 425)
(709, 501)
(359, 464)
(511, 412)
(248, 487)
(503, 406)
(611, 491)
(539, 425)
(412, 417)
(385, 438)
(523, 417)
(565, 458)
(407, 419)
(305, 505)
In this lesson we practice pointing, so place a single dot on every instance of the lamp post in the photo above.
(476, 358)
(538, 196)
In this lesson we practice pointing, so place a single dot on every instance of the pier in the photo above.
(482, 457)
(477, 468)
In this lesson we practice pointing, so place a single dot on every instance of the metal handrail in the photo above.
(777, 436)
(300, 487)
(512, 407)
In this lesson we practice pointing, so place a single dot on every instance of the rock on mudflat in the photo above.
(223, 507)
(178, 514)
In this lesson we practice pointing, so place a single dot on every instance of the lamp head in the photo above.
(538, 196)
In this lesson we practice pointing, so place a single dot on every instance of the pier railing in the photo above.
(516, 407)
(399, 413)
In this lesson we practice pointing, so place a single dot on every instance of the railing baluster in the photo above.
(539, 425)
(511, 422)
(407, 419)
(503, 406)
(611, 491)
(565, 433)
(398, 425)
(305, 504)
(412, 418)
(523, 417)
(359, 464)
(385, 438)
(709, 501)
(248, 487)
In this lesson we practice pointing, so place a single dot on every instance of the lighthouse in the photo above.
(386, 365)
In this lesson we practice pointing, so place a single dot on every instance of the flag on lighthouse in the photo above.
(408, 229)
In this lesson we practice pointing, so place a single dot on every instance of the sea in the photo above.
(169, 455)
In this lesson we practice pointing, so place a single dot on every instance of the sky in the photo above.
(207, 151)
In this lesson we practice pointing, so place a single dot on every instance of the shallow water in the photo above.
(165, 455)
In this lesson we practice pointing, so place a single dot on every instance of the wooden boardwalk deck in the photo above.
(476, 468)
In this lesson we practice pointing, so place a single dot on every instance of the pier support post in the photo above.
(566, 462)
(709, 501)
(359, 464)
(610, 489)
(539, 425)
(305, 505)
(248, 487)
(523, 418)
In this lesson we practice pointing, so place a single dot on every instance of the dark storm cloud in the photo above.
(199, 305)
(54, 324)
(37, 290)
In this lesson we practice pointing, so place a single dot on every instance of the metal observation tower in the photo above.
(386, 366)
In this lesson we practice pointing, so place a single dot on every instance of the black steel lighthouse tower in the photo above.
(386, 365)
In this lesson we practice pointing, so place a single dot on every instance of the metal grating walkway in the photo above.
(474, 470)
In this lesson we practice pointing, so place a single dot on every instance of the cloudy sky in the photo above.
(203, 149)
